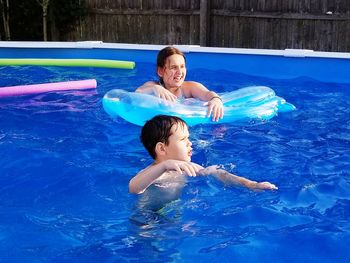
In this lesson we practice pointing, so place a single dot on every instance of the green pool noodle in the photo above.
(100, 63)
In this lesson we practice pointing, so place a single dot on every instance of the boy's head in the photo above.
(168, 136)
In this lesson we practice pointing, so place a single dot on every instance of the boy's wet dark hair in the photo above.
(158, 129)
(164, 54)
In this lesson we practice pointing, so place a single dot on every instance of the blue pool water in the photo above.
(65, 167)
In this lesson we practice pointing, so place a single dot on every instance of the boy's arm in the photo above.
(157, 90)
(229, 178)
(141, 181)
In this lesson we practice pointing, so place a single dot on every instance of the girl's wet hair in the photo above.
(158, 129)
(167, 52)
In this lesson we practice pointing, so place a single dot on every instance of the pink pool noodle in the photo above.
(46, 87)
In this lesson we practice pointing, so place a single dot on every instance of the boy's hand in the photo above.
(262, 186)
(189, 168)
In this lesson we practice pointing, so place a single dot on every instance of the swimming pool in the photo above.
(65, 167)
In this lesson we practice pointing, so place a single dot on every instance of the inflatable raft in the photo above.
(242, 105)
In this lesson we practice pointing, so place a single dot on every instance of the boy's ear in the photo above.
(160, 149)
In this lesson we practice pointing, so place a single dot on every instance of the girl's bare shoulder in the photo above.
(189, 84)
(150, 83)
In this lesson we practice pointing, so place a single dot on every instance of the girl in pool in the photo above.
(171, 69)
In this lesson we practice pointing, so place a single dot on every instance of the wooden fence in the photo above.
(272, 24)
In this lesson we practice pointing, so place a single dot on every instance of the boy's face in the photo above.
(179, 146)
(174, 71)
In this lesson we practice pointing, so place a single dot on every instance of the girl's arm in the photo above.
(193, 89)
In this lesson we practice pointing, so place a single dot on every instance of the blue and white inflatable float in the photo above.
(242, 105)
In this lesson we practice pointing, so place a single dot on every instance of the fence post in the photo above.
(204, 22)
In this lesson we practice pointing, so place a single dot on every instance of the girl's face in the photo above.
(179, 146)
(174, 71)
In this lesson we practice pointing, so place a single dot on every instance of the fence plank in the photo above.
(204, 22)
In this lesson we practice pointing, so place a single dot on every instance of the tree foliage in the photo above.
(26, 18)
(67, 13)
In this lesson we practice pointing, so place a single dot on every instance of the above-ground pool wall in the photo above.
(280, 64)
(278, 67)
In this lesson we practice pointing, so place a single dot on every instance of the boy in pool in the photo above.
(171, 69)
(166, 138)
